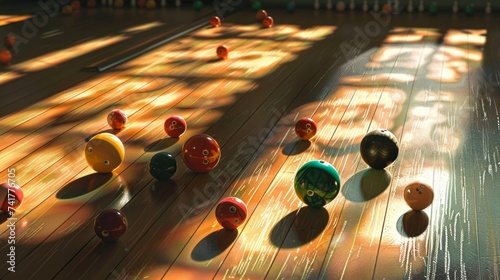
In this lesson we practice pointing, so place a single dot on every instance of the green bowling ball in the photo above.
(469, 9)
(162, 166)
(197, 5)
(256, 5)
(317, 183)
(433, 9)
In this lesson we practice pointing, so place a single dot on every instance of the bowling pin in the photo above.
(455, 7)
(421, 7)
(329, 4)
(352, 6)
(410, 6)
(163, 3)
(316, 4)
(365, 6)
(396, 6)
(376, 6)
(488, 8)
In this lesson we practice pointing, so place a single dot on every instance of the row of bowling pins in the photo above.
(396, 6)
(133, 3)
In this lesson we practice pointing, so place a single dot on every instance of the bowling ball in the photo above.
(433, 8)
(150, 4)
(306, 128)
(104, 152)
(5, 57)
(11, 197)
(231, 212)
(268, 21)
(76, 5)
(317, 183)
(215, 21)
(222, 52)
(379, 148)
(197, 5)
(261, 14)
(256, 5)
(201, 153)
(117, 119)
(469, 9)
(418, 195)
(162, 166)
(110, 225)
(67, 10)
(10, 41)
(175, 126)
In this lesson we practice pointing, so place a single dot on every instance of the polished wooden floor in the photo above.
(432, 81)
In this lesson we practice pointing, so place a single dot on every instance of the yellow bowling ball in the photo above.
(104, 152)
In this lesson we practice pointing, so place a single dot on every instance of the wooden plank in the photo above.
(483, 146)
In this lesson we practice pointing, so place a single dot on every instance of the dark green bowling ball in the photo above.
(433, 9)
(162, 166)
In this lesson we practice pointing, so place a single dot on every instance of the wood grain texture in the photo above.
(432, 81)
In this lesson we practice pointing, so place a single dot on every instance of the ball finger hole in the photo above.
(106, 162)
(236, 221)
(205, 152)
(205, 161)
(310, 192)
(232, 209)
(105, 233)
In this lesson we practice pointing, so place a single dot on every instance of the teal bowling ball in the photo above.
(317, 183)
(162, 166)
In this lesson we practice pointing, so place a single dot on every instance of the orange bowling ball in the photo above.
(104, 152)
(418, 195)
(268, 21)
(5, 57)
(215, 21)
(261, 14)
(223, 52)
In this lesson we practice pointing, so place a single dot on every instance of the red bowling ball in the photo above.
(9, 41)
(306, 128)
(215, 21)
(110, 225)
(117, 119)
(261, 14)
(175, 126)
(268, 21)
(11, 197)
(201, 153)
(5, 57)
(231, 212)
(222, 52)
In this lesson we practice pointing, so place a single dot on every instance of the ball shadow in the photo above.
(4, 216)
(307, 223)
(213, 244)
(161, 191)
(83, 185)
(296, 147)
(366, 184)
(161, 144)
(412, 223)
